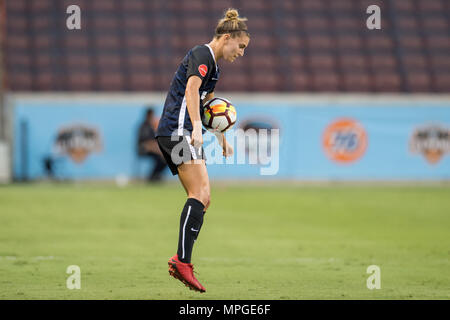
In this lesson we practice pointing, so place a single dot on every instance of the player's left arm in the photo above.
(227, 149)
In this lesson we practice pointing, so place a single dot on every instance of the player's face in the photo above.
(235, 47)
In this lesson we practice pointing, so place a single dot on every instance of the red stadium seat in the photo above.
(266, 61)
(103, 6)
(266, 81)
(299, 82)
(442, 82)
(379, 42)
(139, 62)
(45, 60)
(233, 82)
(435, 23)
(17, 24)
(416, 61)
(353, 62)
(431, 6)
(192, 6)
(77, 42)
(290, 24)
(163, 79)
(255, 6)
(440, 62)
(43, 41)
(316, 23)
(321, 61)
(382, 61)
(287, 5)
(325, 81)
(311, 5)
(260, 25)
(19, 81)
(219, 7)
(18, 41)
(404, 6)
(78, 61)
(111, 81)
(410, 42)
(133, 6)
(142, 81)
(341, 6)
(439, 42)
(105, 24)
(194, 24)
(41, 5)
(143, 42)
(349, 42)
(364, 4)
(191, 40)
(345, 24)
(262, 43)
(156, 5)
(42, 23)
(19, 60)
(109, 61)
(292, 42)
(107, 42)
(357, 82)
(80, 81)
(136, 23)
(387, 82)
(46, 80)
(320, 42)
(418, 81)
(407, 23)
(294, 61)
(18, 6)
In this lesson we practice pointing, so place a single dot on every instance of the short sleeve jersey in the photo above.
(199, 61)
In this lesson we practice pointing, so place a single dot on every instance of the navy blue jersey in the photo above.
(200, 62)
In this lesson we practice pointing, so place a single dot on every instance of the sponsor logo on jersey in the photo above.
(432, 141)
(78, 141)
(344, 140)
(203, 69)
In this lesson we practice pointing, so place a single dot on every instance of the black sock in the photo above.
(190, 223)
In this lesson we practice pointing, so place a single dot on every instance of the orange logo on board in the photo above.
(344, 140)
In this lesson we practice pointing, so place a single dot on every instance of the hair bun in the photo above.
(231, 14)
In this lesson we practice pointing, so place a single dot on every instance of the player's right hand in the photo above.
(197, 138)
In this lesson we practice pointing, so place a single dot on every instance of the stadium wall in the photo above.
(321, 137)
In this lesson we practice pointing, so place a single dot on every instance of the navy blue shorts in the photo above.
(177, 150)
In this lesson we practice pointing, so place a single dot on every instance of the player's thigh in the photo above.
(194, 178)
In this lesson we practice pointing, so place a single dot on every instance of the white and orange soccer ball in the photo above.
(219, 115)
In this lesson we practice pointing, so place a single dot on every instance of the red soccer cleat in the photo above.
(185, 273)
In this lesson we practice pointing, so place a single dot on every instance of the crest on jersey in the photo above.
(203, 69)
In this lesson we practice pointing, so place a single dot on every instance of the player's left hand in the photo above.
(227, 150)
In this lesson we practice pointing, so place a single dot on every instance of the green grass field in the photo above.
(257, 242)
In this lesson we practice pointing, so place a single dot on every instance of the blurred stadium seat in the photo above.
(296, 45)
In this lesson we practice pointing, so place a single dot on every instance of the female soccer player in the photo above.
(180, 137)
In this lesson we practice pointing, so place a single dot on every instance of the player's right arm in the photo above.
(193, 106)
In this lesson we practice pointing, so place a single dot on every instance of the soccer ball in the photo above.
(219, 115)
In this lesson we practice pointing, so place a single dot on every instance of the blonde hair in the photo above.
(231, 23)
